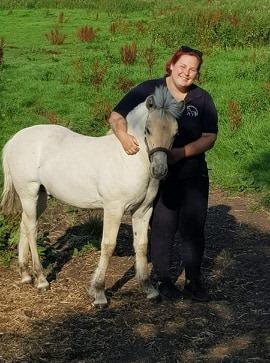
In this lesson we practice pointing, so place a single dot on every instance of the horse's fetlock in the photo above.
(99, 285)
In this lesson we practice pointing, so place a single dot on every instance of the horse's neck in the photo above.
(136, 121)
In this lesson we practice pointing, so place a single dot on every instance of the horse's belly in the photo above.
(71, 187)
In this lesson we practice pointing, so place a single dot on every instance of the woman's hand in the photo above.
(119, 126)
(129, 142)
(176, 155)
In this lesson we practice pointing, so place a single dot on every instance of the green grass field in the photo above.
(77, 83)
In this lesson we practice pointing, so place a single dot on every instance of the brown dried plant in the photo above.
(79, 71)
(120, 26)
(86, 33)
(55, 37)
(2, 43)
(140, 26)
(235, 117)
(98, 73)
(52, 118)
(123, 83)
(61, 17)
(102, 110)
(150, 58)
(129, 53)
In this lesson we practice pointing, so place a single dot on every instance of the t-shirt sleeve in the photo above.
(134, 97)
(210, 116)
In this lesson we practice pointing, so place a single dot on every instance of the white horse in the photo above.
(91, 172)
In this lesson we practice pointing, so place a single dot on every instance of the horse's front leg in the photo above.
(111, 223)
(140, 223)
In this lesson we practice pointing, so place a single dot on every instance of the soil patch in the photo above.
(61, 325)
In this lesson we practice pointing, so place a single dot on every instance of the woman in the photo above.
(181, 204)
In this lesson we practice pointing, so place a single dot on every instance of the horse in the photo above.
(91, 172)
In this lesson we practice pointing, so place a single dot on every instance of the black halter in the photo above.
(155, 149)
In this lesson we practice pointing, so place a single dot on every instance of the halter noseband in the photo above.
(155, 149)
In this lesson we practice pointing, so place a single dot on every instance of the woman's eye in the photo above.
(147, 130)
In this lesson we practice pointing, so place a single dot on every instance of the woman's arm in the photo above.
(204, 143)
(119, 126)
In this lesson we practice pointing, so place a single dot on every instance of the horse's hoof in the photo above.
(155, 300)
(100, 302)
(153, 294)
(43, 285)
(98, 305)
(26, 279)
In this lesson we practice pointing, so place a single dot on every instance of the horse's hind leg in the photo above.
(111, 223)
(140, 223)
(23, 257)
(29, 234)
(24, 238)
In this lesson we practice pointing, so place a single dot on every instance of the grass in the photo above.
(77, 83)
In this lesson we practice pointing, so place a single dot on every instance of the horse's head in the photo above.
(161, 128)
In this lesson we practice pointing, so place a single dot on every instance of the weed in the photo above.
(235, 117)
(61, 17)
(123, 83)
(120, 26)
(150, 58)
(55, 37)
(86, 33)
(51, 116)
(79, 70)
(98, 73)
(2, 43)
(140, 26)
(101, 111)
(129, 53)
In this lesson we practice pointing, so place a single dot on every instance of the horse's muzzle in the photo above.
(159, 166)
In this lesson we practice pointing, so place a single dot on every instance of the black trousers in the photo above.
(181, 205)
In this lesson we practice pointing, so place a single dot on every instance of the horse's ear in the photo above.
(150, 103)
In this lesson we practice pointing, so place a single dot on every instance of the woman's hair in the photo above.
(175, 57)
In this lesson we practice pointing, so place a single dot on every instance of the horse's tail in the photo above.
(10, 203)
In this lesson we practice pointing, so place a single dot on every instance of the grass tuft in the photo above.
(86, 33)
(235, 117)
(129, 53)
(123, 83)
(55, 37)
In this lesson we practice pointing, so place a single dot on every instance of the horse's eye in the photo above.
(147, 131)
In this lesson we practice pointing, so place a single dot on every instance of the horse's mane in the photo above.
(165, 102)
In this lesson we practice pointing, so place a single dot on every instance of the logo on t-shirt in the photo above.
(192, 111)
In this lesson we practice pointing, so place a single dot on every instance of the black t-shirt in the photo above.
(199, 116)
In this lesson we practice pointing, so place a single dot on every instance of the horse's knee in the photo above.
(107, 248)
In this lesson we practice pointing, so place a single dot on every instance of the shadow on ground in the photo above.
(233, 327)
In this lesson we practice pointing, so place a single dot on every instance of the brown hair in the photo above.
(175, 57)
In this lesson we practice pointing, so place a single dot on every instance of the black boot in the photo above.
(169, 291)
(196, 290)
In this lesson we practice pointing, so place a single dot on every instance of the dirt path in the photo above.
(60, 325)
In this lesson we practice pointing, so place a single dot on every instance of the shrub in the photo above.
(55, 37)
(86, 34)
(129, 53)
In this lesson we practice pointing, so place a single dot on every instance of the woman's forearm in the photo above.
(204, 143)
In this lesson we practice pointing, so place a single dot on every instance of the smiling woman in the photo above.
(181, 204)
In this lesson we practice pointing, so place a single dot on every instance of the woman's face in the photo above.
(185, 70)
